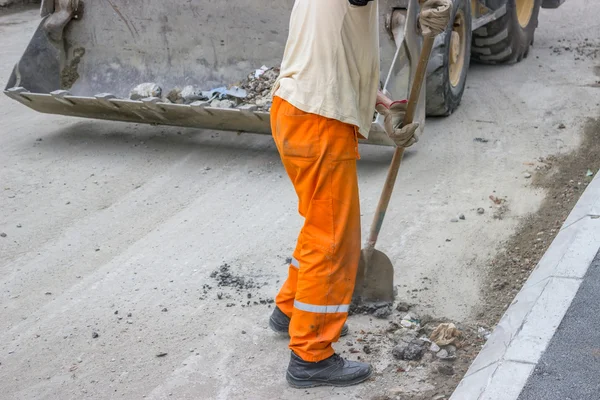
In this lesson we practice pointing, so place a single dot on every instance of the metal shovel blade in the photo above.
(377, 284)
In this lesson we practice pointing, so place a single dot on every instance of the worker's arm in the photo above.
(383, 99)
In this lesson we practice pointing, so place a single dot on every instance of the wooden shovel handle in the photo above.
(413, 101)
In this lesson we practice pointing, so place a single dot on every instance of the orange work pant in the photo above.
(319, 155)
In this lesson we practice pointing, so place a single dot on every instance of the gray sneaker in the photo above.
(280, 323)
(333, 371)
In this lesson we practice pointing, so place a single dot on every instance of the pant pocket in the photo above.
(343, 141)
(298, 134)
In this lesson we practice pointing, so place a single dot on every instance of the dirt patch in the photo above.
(236, 290)
(225, 278)
(69, 74)
(564, 178)
(581, 50)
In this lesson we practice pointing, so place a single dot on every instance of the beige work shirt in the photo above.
(330, 65)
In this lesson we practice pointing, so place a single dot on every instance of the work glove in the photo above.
(359, 3)
(403, 136)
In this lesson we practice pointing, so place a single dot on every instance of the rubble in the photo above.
(381, 308)
(383, 312)
(225, 277)
(253, 92)
(144, 90)
(410, 351)
(403, 306)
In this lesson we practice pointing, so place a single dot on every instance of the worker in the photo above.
(323, 101)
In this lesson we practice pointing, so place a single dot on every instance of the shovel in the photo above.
(375, 276)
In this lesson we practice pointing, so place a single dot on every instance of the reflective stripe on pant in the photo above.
(319, 155)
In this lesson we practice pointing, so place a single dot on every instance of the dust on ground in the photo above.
(236, 289)
(564, 178)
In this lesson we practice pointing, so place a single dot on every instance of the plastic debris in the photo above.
(236, 92)
(483, 333)
(589, 173)
(258, 73)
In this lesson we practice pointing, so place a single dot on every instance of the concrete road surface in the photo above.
(114, 229)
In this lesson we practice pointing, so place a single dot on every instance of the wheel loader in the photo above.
(86, 57)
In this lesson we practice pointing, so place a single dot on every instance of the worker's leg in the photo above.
(320, 155)
(286, 296)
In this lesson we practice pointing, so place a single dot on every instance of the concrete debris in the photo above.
(187, 95)
(434, 348)
(409, 351)
(404, 335)
(445, 334)
(161, 354)
(461, 216)
(95, 335)
(225, 278)
(561, 126)
(371, 308)
(480, 210)
(403, 306)
(454, 220)
(527, 175)
(144, 90)
(383, 312)
(445, 369)
(3, 235)
(258, 86)
(446, 355)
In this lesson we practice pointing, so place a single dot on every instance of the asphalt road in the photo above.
(570, 367)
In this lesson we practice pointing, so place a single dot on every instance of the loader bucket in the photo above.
(86, 56)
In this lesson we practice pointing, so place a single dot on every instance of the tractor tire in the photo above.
(507, 39)
(449, 63)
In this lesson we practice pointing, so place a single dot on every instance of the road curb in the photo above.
(512, 351)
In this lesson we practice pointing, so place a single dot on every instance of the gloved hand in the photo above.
(403, 136)
(359, 3)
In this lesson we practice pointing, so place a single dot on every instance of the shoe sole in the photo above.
(284, 330)
(300, 384)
